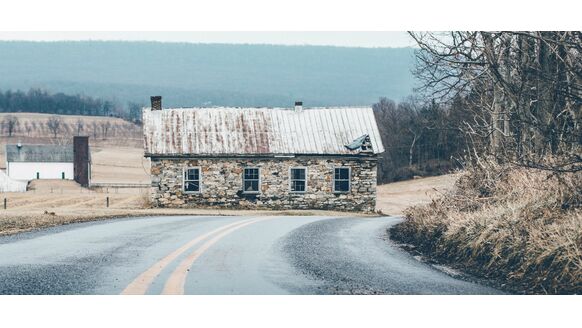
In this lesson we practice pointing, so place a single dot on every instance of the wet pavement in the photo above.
(220, 255)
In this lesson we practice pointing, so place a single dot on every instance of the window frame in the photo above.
(291, 179)
(258, 180)
(184, 171)
(349, 180)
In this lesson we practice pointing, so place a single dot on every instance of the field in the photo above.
(119, 165)
(394, 198)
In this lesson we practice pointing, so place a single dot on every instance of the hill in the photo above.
(209, 74)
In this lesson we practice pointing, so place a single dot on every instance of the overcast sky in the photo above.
(348, 39)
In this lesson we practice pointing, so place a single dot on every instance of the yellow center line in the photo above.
(176, 281)
(140, 285)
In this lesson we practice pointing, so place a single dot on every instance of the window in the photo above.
(251, 180)
(298, 179)
(341, 180)
(192, 179)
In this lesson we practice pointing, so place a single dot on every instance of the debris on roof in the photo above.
(358, 143)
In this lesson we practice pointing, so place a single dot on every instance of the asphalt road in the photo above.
(220, 255)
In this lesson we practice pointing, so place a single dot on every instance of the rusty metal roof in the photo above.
(257, 131)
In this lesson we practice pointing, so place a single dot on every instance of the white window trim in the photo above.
(291, 180)
(199, 179)
(349, 180)
(243, 181)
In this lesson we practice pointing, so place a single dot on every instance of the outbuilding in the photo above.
(66, 162)
(263, 158)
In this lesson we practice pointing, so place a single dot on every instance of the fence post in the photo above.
(107, 201)
(5, 202)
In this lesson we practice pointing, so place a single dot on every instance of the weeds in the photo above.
(520, 226)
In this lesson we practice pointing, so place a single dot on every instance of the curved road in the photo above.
(219, 255)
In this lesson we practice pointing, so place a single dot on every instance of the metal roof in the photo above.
(257, 131)
(40, 153)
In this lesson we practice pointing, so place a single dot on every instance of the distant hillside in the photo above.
(32, 128)
(210, 74)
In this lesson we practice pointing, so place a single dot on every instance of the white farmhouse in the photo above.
(30, 162)
(66, 162)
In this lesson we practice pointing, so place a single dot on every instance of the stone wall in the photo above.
(221, 184)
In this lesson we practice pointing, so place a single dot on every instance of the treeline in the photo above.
(420, 138)
(40, 101)
(511, 97)
(59, 127)
(521, 92)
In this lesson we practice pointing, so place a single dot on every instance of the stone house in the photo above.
(262, 158)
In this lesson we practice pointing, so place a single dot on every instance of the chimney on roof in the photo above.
(156, 102)
(298, 106)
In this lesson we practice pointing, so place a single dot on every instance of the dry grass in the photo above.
(522, 227)
(394, 198)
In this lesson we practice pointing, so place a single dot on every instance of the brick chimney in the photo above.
(298, 106)
(82, 160)
(156, 102)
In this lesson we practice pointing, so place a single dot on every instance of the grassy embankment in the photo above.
(521, 227)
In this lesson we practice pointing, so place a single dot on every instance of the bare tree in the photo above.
(28, 128)
(105, 127)
(10, 124)
(54, 124)
(523, 89)
(80, 124)
(95, 128)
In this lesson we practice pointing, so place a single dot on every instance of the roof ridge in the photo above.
(272, 108)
